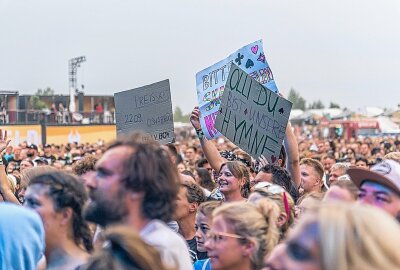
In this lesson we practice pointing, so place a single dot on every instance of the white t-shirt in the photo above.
(172, 247)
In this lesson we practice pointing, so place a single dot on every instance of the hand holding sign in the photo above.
(252, 116)
(210, 82)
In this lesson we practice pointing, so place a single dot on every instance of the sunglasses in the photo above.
(274, 189)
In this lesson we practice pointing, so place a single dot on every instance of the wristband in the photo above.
(200, 134)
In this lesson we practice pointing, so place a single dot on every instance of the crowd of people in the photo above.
(200, 204)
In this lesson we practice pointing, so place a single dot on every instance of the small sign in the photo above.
(147, 108)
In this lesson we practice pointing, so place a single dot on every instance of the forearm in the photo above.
(292, 152)
(5, 189)
(212, 154)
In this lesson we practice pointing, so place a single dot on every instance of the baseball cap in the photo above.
(41, 160)
(386, 173)
(33, 146)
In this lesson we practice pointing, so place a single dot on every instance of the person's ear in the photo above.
(247, 248)
(282, 219)
(66, 216)
(193, 207)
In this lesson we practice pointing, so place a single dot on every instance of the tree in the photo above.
(35, 101)
(179, 116)
(334, 106)
(317, 105)
(45, 92)
(297, 100)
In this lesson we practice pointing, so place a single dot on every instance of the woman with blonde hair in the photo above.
(241, 235)
(284, 201)
(124, 249)
(341, 237)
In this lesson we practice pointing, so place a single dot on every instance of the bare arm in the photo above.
(5, 188)
(210, 150)
(292, 151)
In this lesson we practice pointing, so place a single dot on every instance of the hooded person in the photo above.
(22, 240)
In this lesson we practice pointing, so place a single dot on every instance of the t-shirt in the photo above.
(172, 247)
(22, 237)
(194, 253)
(202, 265)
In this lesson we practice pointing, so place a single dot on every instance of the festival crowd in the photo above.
(200, 204)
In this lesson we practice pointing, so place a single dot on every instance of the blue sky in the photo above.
(341, 51)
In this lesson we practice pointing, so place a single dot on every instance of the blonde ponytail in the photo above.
(270, 212)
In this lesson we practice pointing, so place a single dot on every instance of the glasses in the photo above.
(215, 237)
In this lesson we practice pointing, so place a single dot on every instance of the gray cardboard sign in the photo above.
(147, 108)
(252, 116)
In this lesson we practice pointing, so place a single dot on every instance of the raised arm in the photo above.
(5, 188)
(209, 149)
(292, 152)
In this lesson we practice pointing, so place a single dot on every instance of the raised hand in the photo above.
(263, 161)
(195, 118)
(3, 140)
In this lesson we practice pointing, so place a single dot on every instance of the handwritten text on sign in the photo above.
(146, 108)
(210, 82)
(252, 116)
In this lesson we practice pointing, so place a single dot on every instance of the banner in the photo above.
(252, 116)
(147, 108)
(210, 82)
(80, 134)
(18, 134)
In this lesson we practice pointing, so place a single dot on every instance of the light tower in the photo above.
(73, 65)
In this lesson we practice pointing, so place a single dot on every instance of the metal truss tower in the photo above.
(73, 65)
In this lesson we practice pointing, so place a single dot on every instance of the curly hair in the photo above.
(150, 170)
(67, 191)
(194, 192)
(84, 165)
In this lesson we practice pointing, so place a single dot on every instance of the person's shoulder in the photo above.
(158, 231)
(202, 264)
(172, 247)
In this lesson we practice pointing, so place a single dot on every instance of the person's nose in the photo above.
(366, 200)
(89, 179)
(198, 233)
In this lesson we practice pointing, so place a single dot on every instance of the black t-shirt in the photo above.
(50, 159)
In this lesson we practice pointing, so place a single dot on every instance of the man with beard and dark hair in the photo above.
(48, 155)
(136, 184)
(32, 152)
